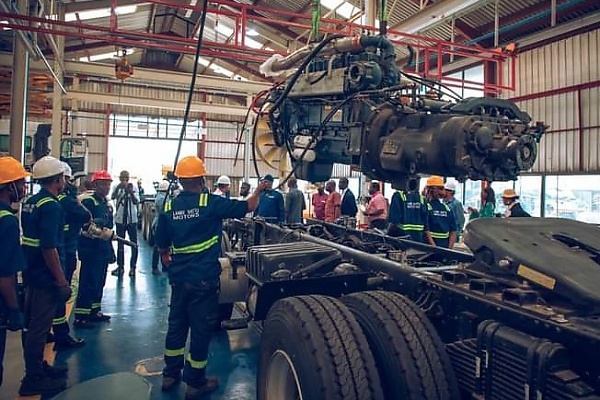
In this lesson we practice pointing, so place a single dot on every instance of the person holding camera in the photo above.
(126, 201)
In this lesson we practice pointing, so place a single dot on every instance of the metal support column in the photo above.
(57, 93)
(248, 141)
(19, 91)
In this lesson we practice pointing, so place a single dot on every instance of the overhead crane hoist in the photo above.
(123, 68)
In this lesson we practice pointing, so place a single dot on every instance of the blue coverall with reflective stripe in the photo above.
(191, 228)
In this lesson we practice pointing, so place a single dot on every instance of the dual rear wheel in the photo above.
(369, 345)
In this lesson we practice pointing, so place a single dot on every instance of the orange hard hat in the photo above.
(11, 170)
(190, 167)
(436, 181)
(101, 175)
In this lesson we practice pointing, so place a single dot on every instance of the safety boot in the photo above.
(54, 371)
(40, 385)
(169, 382)
(118, 271)
(194, 393)
(83, 324)
(99, 317)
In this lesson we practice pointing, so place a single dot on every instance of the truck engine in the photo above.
(347, 102)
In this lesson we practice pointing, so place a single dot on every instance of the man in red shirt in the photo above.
(318, 202)
(333, 204)
(377, 209)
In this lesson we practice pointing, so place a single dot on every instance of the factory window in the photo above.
(467, 83)
(574, 197)
(529, 189)
(154, 128)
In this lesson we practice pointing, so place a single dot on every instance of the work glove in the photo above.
(64, 293)
(15, 322)
(95, 232)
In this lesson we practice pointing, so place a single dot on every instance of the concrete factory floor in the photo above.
(131, 346)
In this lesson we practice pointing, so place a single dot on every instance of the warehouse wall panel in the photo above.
(93, 127)
(562, 64)
(590, 115)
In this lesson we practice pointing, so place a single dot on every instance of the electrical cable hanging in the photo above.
(192, 83)
(188, 105)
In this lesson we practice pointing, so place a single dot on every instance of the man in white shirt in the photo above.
(126, 201)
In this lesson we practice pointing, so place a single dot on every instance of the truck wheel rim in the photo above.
(282, 379)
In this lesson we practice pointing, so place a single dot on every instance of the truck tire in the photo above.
(410, 356)
(313, 348)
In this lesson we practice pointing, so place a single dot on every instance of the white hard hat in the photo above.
(67, 169)
(163, 186)
(223, 180)
(46, 167)
(450, 185)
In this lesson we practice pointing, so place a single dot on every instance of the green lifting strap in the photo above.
(316, 19)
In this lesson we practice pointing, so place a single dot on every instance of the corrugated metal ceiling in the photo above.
(168, 20)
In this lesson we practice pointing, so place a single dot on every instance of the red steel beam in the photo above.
(224, 50)
(555, 92)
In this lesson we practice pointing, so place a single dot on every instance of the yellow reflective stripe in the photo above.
(168, 206)
(174, 353)
(61, 196)
(43, 201)
(196, 364)
(66, 227)
(4, 213)
(203, 200)
(402, 195)
(440, 235)
(27, 241)
(413, 227)
(197, 248)
(84, 311)
(90, 197)
(59, 321)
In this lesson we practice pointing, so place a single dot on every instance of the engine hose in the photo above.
(190, 97)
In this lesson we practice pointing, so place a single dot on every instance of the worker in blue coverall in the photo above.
(76, 216)
(95, 254)
(440, 218)
(188, 235)
(408, 213)
(46, 286)
(12, 190)
(271, 206)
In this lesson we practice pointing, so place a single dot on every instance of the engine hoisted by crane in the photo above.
(347, 102)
